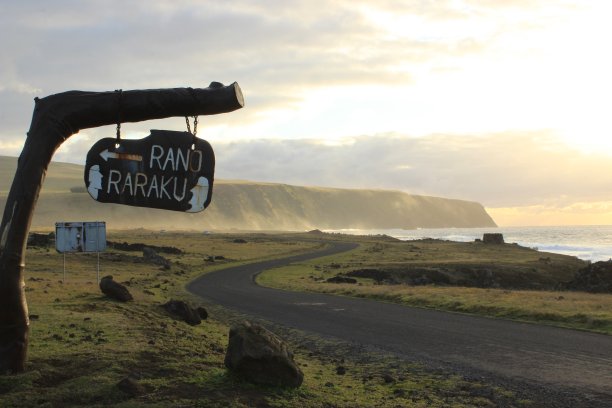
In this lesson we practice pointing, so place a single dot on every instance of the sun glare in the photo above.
(546, 68)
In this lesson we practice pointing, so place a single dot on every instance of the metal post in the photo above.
(98, 250)
(64, 280)
(98, 269)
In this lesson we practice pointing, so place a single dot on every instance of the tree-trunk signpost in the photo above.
(147, 176)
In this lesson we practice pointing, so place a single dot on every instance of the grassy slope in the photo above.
(253, 206)
(514, 265)
(83, 344)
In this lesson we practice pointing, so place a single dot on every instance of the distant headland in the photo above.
(246, 205)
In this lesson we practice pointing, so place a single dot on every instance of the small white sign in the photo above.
(85, 236)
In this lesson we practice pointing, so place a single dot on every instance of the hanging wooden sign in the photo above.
(169, 170)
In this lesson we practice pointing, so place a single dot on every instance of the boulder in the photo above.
(183, 311)
(114, 289)
(259, 356)
(493, 238)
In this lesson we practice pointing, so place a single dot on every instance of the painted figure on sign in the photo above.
(199, 194)
(95, 181)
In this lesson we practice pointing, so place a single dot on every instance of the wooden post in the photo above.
(55, 119)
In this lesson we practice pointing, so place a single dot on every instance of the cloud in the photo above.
(155, 44)
(505, 169)
(112, 44)
(508, 169)
(278, 51)
(339, 68)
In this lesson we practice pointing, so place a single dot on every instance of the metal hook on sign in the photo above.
(195, 118)
(195, 129)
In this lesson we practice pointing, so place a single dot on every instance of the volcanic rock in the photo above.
(183, 311)
(114, 289)
(261, 357)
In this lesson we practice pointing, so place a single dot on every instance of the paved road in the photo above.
(527, 353)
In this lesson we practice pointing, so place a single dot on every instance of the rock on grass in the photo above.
(183, 311)
(114, 289)
(259, 356)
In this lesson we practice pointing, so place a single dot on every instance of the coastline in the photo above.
(588, 242)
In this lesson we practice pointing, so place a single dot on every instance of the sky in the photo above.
(501, 102)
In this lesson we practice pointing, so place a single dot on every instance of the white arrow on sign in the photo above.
(105, 154)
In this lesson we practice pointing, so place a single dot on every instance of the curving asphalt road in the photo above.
(562, 359)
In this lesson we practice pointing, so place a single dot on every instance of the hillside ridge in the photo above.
(246, 205)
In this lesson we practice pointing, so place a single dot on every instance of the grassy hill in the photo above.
(251, 206)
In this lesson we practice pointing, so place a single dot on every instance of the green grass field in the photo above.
(82, 343)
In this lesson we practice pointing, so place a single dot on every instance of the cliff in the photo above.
(251, 206)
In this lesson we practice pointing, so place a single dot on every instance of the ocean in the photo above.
(591, 242)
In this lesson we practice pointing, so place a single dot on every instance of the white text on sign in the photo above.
(176, 158)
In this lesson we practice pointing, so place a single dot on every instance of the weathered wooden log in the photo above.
(55, 119)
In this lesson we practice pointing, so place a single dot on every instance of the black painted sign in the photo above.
(167, 169)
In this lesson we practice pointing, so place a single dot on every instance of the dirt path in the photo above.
(561, 362)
